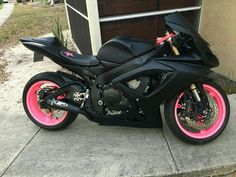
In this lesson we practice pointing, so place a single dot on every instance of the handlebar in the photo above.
(167, 37)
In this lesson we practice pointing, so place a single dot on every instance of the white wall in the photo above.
(218, 27)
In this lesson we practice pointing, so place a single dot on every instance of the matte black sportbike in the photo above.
(128, 80)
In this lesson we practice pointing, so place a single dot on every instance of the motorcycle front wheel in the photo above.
(197, 129)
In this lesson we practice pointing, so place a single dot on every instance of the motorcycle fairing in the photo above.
(179, 76)
(178, 23)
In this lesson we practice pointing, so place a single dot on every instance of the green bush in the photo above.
(1, 1)
(58, 32)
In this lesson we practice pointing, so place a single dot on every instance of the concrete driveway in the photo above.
(5, 12)
(86, 149)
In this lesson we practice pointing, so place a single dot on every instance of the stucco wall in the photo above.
(218, 27)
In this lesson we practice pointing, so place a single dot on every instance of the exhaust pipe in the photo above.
(62, 105)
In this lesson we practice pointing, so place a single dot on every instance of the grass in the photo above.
(30, 21)
(1, 5)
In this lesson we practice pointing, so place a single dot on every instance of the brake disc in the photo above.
(193, 123)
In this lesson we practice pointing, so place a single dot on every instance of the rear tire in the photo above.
(204, 136)
(41, 118)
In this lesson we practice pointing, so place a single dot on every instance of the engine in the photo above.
(114, 101)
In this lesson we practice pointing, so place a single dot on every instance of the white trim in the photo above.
(70, 32)
(200, 18)
(68, 19)
(94, 25)
(146, 14)
(82, 15)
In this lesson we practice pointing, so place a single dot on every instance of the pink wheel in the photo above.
(47, 118)
(43, 116)
(200, 129)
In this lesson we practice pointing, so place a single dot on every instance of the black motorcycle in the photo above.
(128, 80)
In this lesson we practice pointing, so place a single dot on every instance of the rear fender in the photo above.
(48, 46)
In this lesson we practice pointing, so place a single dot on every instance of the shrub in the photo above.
(58, 32)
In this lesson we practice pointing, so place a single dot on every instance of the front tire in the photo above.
(220, 117)
(46, 119)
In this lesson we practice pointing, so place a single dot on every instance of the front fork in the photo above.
(193, 88)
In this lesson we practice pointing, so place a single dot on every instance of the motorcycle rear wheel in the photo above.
(44, 118)
(220, 117)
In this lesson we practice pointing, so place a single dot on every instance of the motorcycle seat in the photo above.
(122, 48)
(77, 59)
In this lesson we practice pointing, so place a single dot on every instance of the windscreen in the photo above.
(178, 23)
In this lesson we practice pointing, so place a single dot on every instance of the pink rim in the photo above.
(219, 120)
(34, 108)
